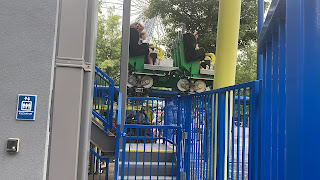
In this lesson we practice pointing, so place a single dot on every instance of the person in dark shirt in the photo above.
(135, 47)
(191, 48)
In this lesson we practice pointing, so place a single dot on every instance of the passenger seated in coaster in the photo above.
(191, 48)
(143, 37)
(137, 49)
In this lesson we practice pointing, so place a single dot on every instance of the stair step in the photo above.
(146, 157)
(143, 169)
(101, 139)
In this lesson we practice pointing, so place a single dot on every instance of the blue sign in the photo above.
(26, 109)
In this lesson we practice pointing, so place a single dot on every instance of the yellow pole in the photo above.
(226, 53)
(227, 43)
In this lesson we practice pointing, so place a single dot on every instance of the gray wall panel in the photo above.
(27, 36)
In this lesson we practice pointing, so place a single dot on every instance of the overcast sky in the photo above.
(134, 4)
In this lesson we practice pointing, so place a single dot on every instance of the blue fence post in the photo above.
(111, 98)
(260, 24)
(255, 132)
(188, 142)
(282, 98)
(303, 99)
(179, 133)
(179, 112)
(268, 109)
(221, 134)
(118, 135)
(275, 104)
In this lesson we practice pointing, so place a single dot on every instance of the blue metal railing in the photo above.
(272, 46)
(96, 156)
(146, 151)
(184, 134)
(189, 133)
(145, 111)
(118, 136)
(105, 99)
(208, 152)
(146, 155)
(100, 164)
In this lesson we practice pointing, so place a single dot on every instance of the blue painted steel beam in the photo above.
(303, 100)
(294, 37)
(276, 11)
(275, 103)
(262, 157)
(260, 24)
(282, 99)
(221, 135)
(268, 109)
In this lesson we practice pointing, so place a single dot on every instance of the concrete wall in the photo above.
(27, 51)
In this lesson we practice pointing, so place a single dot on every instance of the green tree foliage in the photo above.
(247, 64)
(202, 15)
(108, 51)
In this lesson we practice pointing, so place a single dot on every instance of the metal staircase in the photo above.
(105, 141)
(146, 164)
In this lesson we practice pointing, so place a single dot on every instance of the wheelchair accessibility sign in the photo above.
(26, 108)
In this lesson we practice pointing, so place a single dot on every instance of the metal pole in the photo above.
(87, 96)
(69, 133)
(225, 71)
(260, 24)
(124, 57)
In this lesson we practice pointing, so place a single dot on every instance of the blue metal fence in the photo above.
(149, 156)
(272, 46)
(211, 135)
(98, 171)
(104, 99)
(207, 150)
(146, 151)
(145, 111)
(100, 166)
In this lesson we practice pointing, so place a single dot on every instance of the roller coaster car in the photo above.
(187, 76)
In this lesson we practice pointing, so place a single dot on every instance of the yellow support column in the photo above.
(225, 67)
(227, 43)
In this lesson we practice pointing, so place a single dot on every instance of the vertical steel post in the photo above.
(69, 133)
(221, 136)
(275, 104)
(282, 98)
(124, 57)
(188, 142)
(268, 109)
(256, 121)
(260, 24)
(294, 86)
(87, 96)
(262, 157)
(302, 80)
(179, 138)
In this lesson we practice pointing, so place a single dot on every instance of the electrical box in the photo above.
(13, 145)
